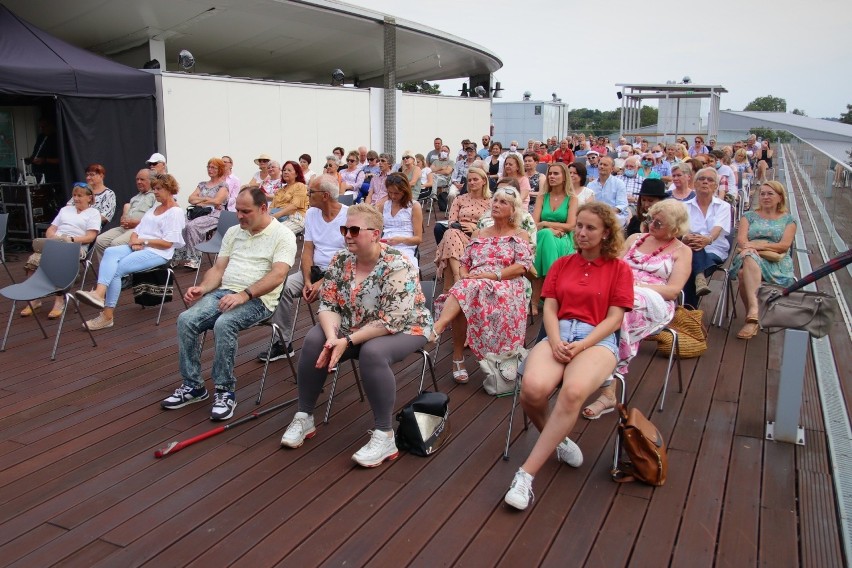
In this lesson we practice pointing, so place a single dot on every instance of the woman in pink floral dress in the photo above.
(661, 266)
(487, 306)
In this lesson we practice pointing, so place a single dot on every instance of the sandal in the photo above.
(55, 313)
(750, 328)
(28, 311)
(603, 405)
(459, 372)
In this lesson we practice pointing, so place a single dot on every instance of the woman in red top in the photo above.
(586, 295)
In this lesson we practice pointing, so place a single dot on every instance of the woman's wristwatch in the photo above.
(349, 341)
(499, 274)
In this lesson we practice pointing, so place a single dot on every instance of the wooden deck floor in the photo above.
(79, 485)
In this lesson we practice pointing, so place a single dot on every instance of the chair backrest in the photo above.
(346, 199)
(541, 167)
(60, 262)
(227, 219)
(4, 223)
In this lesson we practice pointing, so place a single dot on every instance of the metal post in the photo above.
(390, 86)
(829, 183)
(788, 406)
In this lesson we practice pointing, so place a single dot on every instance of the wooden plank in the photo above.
(778, 539)
(696, 541)
(820, 529)
(615, 541)
(741, 511)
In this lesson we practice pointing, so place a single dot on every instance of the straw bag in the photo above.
(691, 334)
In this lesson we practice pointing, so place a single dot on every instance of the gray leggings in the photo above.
(374, 363)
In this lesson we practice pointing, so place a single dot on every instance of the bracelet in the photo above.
(499, 274)
(349, 342)
(249, 294)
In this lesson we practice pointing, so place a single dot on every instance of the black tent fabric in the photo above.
(105, 112)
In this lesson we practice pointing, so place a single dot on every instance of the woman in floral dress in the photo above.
(372, 308)
(488, 305)
(466, 211)
(212, 194)
(660, 264)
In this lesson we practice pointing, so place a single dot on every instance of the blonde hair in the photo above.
(778, 188)
(675, 215)
(370, 213)
(486, 189)
(514, 198)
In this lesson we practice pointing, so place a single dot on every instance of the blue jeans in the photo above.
(226, 326)
(119, 261)
(701, 261)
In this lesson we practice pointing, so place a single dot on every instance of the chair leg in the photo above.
(69, 298)
(675, 349)
(9, 272)
(169, 275)
(276, 331)
(8, 325)
(617, 451)
(515, 394)
(427, 360)
(357, 379)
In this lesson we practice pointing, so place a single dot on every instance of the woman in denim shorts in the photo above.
(585, 297)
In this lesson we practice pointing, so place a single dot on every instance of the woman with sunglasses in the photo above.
(78, 222)
(412, 171)
(555, 214)
(104, 196)
(372, 308)
(352, 176)
(660, 265)
(586, 295)
(487, 307)
(465, 213)
(213, 195)
(403, 217)
(331, 168)
(262, 162)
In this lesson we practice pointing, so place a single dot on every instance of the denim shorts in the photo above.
(575, 330)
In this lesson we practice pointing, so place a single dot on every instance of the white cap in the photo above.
(156, 157)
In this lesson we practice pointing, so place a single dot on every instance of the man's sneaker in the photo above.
(381, 447)
(569, 452)
(301, 428)
(279, 351)
(701, 286)
(184, 395)
(224, 404)
(520, 494)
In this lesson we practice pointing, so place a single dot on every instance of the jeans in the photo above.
(226, 326)
(701, 261)
(119, 261)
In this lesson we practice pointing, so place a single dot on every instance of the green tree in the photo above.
(772, 135)
(846, 117)
(648, 116)
(419, 87)
(799, 112)
(767, 103)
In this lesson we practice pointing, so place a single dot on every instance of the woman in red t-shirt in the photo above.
(585, 297)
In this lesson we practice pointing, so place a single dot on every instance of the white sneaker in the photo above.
(520, 494)
(569, 452)
(381, 447)
(301, 428)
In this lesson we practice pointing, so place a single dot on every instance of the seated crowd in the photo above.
(601, 238)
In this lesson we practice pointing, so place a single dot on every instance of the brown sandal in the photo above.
(605, 405)
(750, 329)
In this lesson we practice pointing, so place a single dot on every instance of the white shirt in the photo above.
(167, 226)
(718, 215)
(325, 237)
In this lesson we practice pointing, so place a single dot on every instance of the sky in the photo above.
(799, 51)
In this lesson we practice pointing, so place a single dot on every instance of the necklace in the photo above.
(637, 256)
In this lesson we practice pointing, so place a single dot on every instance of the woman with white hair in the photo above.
(490, 294)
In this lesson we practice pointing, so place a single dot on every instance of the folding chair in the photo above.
(541, 168)
(428, 194)
(57, 271)
(675, 353)
(346, 200)
(428, 292)
(726, 295)
(4, 223)
(227, 219)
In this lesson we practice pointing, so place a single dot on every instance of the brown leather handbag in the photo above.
(645, 447)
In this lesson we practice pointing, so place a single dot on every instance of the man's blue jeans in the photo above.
(203, 316)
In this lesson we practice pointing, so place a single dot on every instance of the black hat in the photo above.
(653, 188)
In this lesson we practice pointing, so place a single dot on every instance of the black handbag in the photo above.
(423, 424)
(197, 211)
(148, 287)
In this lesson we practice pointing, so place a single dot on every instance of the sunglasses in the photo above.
(508, 191)
(657, 224)
(151, 164)
(372, 159)
(351, 160)
(264, 161)
(353, 231)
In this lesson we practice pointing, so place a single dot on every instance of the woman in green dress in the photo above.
(555, 215)
(764, 239)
